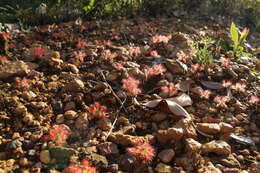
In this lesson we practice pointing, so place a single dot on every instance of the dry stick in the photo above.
(118, 99)
(113, 125)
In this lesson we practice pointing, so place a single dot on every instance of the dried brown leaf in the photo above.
(182, 100)
(212, 85)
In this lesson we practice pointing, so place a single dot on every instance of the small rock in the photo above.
(164, 136)
(70, 114)
(254, 167)
(70, 106)
(188, 130)
(104, 124)
(218, 147)
(192, 145)
(163, 168)
(209, 168)
(74, 86)
(229, 161)
(159, 116)
(257, 64)
(28, 95)
(23, 161)
(60, 119)
(73, 68)
(57, 63)
(122, 139)
(209, 128)
(108, 148)
(166, 155)
(225, 128)
(177, 170)
(45, 156)
(82, 121)
(14, 144)
(126, 162)
(2, 171)
(175, 67)
(231, 170)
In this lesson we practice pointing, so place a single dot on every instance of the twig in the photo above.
(113, 125)
(118, 99)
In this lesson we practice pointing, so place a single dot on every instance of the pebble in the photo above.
(163, 168)
(73, 68)
(70, 106)
(218, 147)
(126, 162)
(159, 116)
(74, 86)
(209, 128)
(13, 144)
(108, 148)
(60, 119)
(225, 128)
(104, 124)
(166, 155)
(70, 114)
(45, 156)
(23, 161)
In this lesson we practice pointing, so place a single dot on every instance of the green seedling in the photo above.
(238, 41)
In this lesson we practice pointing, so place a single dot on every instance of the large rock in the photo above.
(16, 68)
(209, 128)
(218, 147)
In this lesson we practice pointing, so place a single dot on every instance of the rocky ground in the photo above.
(128, 96)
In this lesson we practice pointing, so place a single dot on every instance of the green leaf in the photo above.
(243, 35)
(234, 33)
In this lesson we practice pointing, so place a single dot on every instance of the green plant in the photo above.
(237, 46)
(202, 51)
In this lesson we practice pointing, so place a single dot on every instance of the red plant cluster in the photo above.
(221, 101)
(226, 83)
(154, 70)
(171, 89)
(161, 39)
(84, 167)
(38, 52)
(254, 99)
(225, 62)
(22, 83)
(134, 51)
(131, 86)
(204, 93)
(108, 55)
(79, 55)
(143, 151)
(182, 56)
(96, 111)
(240, 87)
(58, 134)
(154, 53)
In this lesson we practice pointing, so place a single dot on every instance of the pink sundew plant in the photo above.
(119, 65)
(154, 70)
(3, 59)
(108, 55)
(154, 53)
(97, 111)
(79, 55)
(226, 83)
(81, 44)
(171, 89)
(204, 93)
(254, 99)
(84, 167)
(143, 151)
(22, 83)
(240, 87)
(58, 134)
(225, 62)
(134, 51)
(131, 86)
(38, 52)
(197, 68)
(161, 38)
(182, 56)
(221, 101)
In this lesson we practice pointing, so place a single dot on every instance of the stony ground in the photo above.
(128, 96)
